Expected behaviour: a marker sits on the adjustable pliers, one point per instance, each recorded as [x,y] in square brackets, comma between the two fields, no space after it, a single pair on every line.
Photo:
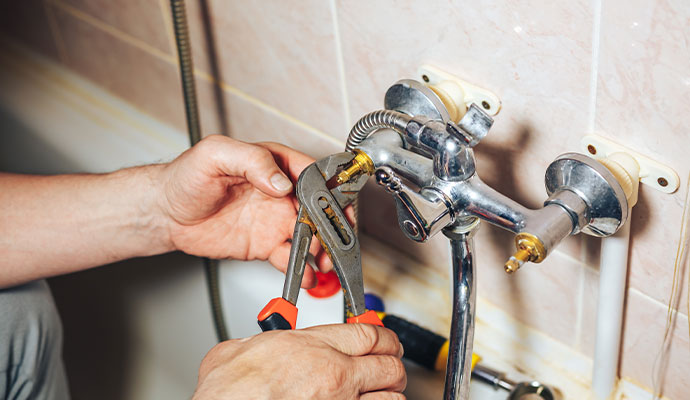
[321,214]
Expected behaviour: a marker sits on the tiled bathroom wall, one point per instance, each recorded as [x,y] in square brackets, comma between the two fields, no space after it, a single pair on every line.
[302,72]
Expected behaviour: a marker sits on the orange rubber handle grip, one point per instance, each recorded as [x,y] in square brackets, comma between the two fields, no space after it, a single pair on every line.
[269,317]
[369,317]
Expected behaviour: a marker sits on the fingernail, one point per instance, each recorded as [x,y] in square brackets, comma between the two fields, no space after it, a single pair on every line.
[280,182]
[401,352]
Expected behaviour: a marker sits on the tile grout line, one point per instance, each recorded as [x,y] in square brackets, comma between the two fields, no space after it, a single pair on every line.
[594,74]
[266,107]
[198,73]
[55,31]
[341,64]
[659,303]
[140,44]
[592,268]
[57,75]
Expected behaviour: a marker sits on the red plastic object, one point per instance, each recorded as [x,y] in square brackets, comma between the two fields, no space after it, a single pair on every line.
[327,285]
[280,306]
[369,317]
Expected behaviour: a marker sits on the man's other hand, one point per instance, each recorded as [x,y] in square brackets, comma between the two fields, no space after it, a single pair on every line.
[353,361]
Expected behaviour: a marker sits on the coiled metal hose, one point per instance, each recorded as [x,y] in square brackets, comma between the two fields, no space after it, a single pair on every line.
[184,52]
[367,125]
[374,121]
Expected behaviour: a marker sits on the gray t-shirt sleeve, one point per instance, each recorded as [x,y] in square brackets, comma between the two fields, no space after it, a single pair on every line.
[31,364]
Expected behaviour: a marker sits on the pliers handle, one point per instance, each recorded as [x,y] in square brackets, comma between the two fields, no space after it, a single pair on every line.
[321,213]
[281,312]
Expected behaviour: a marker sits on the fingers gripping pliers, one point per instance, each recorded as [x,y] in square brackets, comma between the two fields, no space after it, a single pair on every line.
[321,214]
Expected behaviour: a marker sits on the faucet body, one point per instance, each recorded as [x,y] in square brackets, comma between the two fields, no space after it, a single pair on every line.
[427,163]
[452,191]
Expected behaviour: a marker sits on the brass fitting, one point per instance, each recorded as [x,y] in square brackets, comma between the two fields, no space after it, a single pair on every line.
[529,248]
[360,164]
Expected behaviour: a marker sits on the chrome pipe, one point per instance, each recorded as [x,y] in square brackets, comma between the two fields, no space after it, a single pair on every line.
[385,148]
[459,367]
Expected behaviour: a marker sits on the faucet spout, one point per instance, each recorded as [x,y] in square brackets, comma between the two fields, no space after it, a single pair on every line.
[459,367]
[473,197]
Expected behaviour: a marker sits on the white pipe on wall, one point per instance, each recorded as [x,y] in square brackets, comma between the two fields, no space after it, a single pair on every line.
[612,279]
[613,270]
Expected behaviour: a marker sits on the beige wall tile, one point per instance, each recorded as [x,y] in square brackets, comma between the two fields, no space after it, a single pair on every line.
[27,22]
[141,19]
[545,296]
[642,102]
[148,82]
[254,124]
[153,85]
[281,52]
[644,329]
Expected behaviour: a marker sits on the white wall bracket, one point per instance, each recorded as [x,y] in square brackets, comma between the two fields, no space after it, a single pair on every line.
[652,173]
[467,93]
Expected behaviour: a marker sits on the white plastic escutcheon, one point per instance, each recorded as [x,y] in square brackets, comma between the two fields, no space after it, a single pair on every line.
[652,173]
[489,102]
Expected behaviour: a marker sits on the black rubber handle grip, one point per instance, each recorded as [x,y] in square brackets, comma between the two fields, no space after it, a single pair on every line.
[275,322]
[422,346]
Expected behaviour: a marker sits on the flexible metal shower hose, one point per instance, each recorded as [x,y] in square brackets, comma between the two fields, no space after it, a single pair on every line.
[191,106]
[374,121]
[367,125]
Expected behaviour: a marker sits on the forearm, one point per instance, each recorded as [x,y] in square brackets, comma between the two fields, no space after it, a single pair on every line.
[52,225]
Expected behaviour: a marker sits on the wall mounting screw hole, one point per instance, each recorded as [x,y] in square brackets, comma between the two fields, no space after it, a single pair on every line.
[592,150]
[486,105]
[662,182]
[425,78]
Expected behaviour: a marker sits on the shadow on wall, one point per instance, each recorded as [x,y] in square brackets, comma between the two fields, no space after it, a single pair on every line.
[221,108]
[96,307]
[23,151]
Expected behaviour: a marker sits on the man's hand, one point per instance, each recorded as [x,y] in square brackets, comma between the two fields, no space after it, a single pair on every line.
[229,199]
[220,199]
[353,361]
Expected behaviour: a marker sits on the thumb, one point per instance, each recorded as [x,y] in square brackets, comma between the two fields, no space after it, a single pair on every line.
[254,163]
[358,339]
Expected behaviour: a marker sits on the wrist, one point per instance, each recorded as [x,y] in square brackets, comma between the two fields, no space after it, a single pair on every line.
[151,221]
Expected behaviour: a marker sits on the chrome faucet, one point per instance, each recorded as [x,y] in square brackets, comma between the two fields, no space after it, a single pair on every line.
[413,140]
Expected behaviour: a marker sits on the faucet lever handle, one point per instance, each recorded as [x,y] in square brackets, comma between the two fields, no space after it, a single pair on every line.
[473,127]
[420,215]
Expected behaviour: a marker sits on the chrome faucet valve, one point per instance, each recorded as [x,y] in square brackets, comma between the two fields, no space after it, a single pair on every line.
[473,127]
[428,165]
[449,144]
[603,207]
[420,215]
[583,197]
